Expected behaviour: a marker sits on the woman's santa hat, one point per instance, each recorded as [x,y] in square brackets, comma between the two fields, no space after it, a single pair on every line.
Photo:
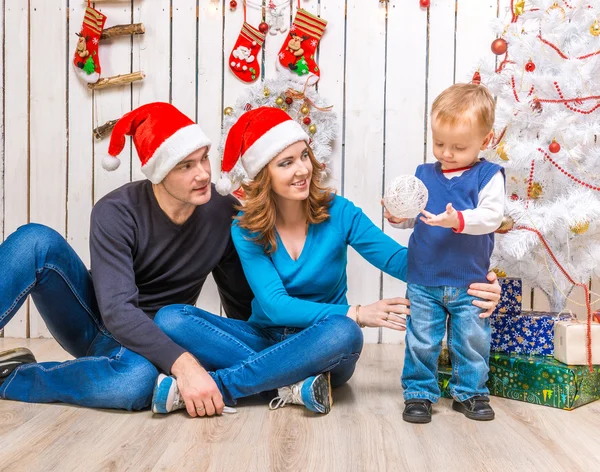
[163,137]
[256,137]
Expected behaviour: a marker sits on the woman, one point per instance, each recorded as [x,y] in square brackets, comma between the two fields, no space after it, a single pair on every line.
[292,238]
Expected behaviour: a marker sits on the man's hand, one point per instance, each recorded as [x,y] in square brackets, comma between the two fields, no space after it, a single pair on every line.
[198,389]
[448,219]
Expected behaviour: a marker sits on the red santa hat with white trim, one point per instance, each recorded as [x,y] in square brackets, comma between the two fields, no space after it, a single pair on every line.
[162,135]
[254,140]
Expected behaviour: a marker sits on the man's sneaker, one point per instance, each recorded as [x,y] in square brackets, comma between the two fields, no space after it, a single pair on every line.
[314,393]
[166,397]
[417,411]
[475,408]
[13,358]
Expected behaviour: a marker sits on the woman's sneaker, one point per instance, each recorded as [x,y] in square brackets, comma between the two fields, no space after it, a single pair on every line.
[166,397]
[13,358]
[314,393]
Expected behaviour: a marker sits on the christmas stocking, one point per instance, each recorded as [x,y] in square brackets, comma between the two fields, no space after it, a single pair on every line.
[86,59]
[243,60]
[297,55]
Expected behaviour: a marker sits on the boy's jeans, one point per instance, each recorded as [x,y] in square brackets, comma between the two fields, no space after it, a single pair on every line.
[469,337]
[37,260]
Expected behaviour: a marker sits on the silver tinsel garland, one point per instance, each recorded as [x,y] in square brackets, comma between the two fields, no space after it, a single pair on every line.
[265,94]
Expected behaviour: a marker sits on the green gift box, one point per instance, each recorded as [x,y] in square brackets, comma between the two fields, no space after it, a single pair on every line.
[537,379]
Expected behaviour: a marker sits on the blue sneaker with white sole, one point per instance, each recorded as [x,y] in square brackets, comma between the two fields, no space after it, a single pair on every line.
[314,393]
[166,397]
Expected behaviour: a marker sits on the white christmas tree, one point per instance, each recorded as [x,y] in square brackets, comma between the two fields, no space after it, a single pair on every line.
[547,128]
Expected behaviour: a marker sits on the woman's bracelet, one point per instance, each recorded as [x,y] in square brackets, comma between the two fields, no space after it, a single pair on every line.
[357,318]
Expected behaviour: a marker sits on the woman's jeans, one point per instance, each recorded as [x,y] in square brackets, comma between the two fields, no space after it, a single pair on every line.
[244,359]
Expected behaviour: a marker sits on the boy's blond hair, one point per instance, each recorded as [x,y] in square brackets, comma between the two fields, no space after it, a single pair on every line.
[461,103]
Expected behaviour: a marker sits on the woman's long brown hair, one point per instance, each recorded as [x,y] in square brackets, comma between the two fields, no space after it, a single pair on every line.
[260,208]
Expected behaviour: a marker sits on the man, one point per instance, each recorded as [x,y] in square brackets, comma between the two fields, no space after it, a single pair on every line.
[152,244]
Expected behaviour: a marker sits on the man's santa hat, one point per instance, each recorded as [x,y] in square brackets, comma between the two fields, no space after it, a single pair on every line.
[163,137]
[254,140]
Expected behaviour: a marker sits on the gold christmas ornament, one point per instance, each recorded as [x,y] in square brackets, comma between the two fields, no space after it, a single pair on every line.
[499,272]
[580,228]
[279,101]
[283,107]
[507,224]
[536,191]
[228,111]
[266,92]
[312,129]
[595,28]
[501,152]
[519,7]
[304,110]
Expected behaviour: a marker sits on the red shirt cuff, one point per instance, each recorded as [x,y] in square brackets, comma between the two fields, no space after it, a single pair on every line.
[461,223]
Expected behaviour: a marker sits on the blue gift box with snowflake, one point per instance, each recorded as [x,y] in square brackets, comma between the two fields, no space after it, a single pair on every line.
[528,333]
[511,296]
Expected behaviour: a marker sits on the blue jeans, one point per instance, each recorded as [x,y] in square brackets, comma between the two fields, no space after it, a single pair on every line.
[244,359]
[37,260]
[469,337]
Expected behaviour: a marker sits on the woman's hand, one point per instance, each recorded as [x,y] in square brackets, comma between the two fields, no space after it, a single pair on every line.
[489,293]
[388,313]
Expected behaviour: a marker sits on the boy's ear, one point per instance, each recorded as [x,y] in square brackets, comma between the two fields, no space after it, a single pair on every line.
[487,140]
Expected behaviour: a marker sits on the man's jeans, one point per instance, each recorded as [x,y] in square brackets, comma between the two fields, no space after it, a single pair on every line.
[469,337]
[244,359]
[37,260]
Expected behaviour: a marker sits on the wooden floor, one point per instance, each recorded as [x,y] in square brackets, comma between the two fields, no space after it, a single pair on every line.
[363,432]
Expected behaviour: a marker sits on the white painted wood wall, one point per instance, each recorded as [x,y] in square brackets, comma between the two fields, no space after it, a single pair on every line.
[381,68]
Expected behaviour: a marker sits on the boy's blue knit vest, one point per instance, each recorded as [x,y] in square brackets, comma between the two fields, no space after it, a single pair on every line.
[438,256]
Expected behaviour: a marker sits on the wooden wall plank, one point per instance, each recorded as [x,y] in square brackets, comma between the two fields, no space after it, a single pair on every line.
[16,131]
[364,139]
[405,114]
[80,146]
[47,118]
[112,103]
[209,107]
[151,54]
[331,59]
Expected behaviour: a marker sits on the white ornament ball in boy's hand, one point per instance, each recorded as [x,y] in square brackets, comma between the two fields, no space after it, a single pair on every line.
[406,197]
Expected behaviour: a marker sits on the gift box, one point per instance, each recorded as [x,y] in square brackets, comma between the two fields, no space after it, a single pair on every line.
[540,380]
[511,296]
[530,332]
[570,342]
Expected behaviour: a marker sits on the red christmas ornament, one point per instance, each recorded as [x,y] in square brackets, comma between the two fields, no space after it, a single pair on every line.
[554,147]
[514,196]
[425,3]
[289,100]
[499,46]
[263,27]
[233,4]
[476,78]
[536,106]
[530,66]
[306,120]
